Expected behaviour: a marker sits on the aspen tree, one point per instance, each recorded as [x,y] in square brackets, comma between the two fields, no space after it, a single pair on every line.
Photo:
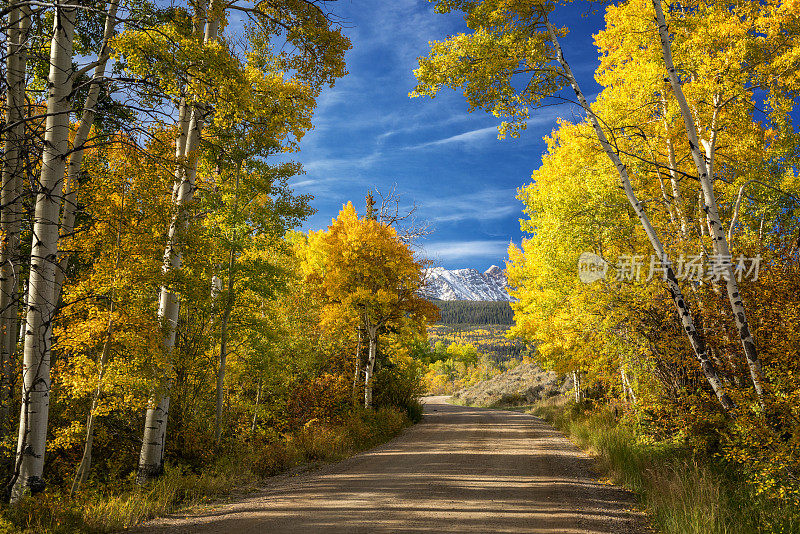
[684,312]
[366,270]
[233,94]
[358,364]
[41,285]
[508,39]
[151,457]
[226,317]
[704,164]
[11,195]
[372,353]
[67,225]
[81,138]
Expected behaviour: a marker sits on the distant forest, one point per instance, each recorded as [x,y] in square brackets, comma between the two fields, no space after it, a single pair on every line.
[474,312]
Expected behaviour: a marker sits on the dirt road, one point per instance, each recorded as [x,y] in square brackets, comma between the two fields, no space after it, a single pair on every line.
[461,470]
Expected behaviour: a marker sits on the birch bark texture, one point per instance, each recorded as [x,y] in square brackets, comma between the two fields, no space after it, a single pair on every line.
[68,226]
[44,255]
[151,456]
[81,137]
[223,347]
[11,197]
[372,334]
[358,359]
[703,162]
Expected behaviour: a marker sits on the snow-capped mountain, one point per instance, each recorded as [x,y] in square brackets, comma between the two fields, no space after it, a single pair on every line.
[467,284]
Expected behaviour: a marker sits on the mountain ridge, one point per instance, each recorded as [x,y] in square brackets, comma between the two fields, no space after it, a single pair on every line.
[466,284]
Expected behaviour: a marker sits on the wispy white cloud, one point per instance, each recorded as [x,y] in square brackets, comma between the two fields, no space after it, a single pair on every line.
[458,250]
[488,204]
[327,186]
[404,27]
[428,118]
[543,117]
[304,184]
[466,137]
[327,165]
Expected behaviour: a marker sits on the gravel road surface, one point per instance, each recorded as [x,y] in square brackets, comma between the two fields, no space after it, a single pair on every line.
[462,470]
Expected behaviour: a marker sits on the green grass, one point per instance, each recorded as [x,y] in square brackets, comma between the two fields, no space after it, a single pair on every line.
[683,493]
[54,512]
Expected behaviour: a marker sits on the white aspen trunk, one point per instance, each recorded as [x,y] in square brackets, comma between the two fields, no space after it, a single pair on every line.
[703,227]
[625,394]
[710,205]
[200,18]
[372,332]
[229,298]
[626,384]
[223,349]
[81,136]
[684,313]
[180,146]
[68,226]
[676,191]
[680,208]
[575,386]
[357,373]
[667,200]
[151,456]
[709,161]
[212,26]
[11,198]
[737,206]
[255,410]
[36,363]
[69,211]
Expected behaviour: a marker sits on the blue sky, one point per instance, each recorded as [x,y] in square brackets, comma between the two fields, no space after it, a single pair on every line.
[369,134]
